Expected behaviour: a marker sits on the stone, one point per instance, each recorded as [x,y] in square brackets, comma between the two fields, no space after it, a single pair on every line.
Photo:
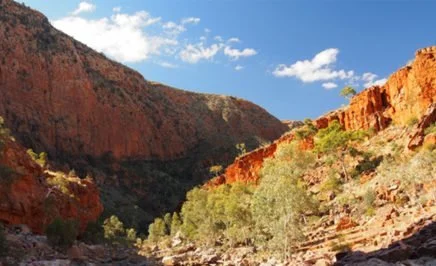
[172,260]
[75,253]
[322,262]
[345,223]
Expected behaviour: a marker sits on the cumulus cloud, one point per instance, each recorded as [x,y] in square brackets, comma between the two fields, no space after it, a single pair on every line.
[218,38]
[167,64]
[235,54]
[190,20]
[234,39]
[136,37]
[121,36]
[84,7]
[239,67]
[193,53]
[173,28]
[329,85]
[319,68]
[370,80]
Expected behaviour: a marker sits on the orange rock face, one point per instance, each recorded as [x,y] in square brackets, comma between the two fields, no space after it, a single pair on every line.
[61,97]
[26,198]
[409,93]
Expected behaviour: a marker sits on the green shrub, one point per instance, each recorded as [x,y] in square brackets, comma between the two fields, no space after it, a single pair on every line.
[431,129]
[242,149]
[331,184]
[176,223]
[40,159]
[4,132]
[114,230]
[156,230]
[412,121]
[307,130]
[93,233]
[62,233]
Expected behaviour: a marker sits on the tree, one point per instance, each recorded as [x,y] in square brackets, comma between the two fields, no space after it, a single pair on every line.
[93,233]
[176,223]
[156,230]
[168,222]
[113,229]
[242,149]
[348,92]
[333,139]
[280,202]
[62,233]
[131,235]
[4,132]
[215,169]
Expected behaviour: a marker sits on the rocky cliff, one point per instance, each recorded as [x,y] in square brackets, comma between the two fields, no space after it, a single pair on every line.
[409,94]
[28,197]
[136,137]
[62,97]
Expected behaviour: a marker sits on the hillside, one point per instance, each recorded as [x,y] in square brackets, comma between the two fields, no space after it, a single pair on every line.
[99,166]
[99,117]
[353,187]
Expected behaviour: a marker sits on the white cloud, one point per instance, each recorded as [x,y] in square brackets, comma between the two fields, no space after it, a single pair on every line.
[173,28]
[84,7]
[236,40]
[239,67]
[191,20]
[329,85]
[319,68]
[193,53]
[136,37]
[121,36]
[235,54]
[218,38]
[370,80]
[167,64]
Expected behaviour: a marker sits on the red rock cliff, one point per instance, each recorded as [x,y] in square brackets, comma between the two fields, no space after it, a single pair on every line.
[26,198]
[59,96]
[409,93]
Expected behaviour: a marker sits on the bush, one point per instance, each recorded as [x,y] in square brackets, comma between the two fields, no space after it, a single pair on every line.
[431,129]
[93,233]
[62,233]
[156,230]
[412,121]
[114,230]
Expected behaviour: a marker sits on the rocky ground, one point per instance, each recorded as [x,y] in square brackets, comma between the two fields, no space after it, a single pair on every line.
[25,248]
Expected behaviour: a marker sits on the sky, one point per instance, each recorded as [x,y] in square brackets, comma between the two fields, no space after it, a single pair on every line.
[291,57]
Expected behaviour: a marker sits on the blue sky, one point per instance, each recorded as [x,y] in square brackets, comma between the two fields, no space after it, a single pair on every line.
[286,56]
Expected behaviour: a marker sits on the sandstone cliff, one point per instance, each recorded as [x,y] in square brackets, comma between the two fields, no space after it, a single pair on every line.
[27,197]
[409,94]
[145,143]
[62,97]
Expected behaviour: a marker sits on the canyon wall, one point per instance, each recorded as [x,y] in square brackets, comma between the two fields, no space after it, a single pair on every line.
[409,94]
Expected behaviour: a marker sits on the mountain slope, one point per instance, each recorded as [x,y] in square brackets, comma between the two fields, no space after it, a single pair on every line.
[408,95]
[95,115]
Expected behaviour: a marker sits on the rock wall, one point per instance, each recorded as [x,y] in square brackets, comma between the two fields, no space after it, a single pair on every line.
[26,198]
[59,96]
[409,93]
